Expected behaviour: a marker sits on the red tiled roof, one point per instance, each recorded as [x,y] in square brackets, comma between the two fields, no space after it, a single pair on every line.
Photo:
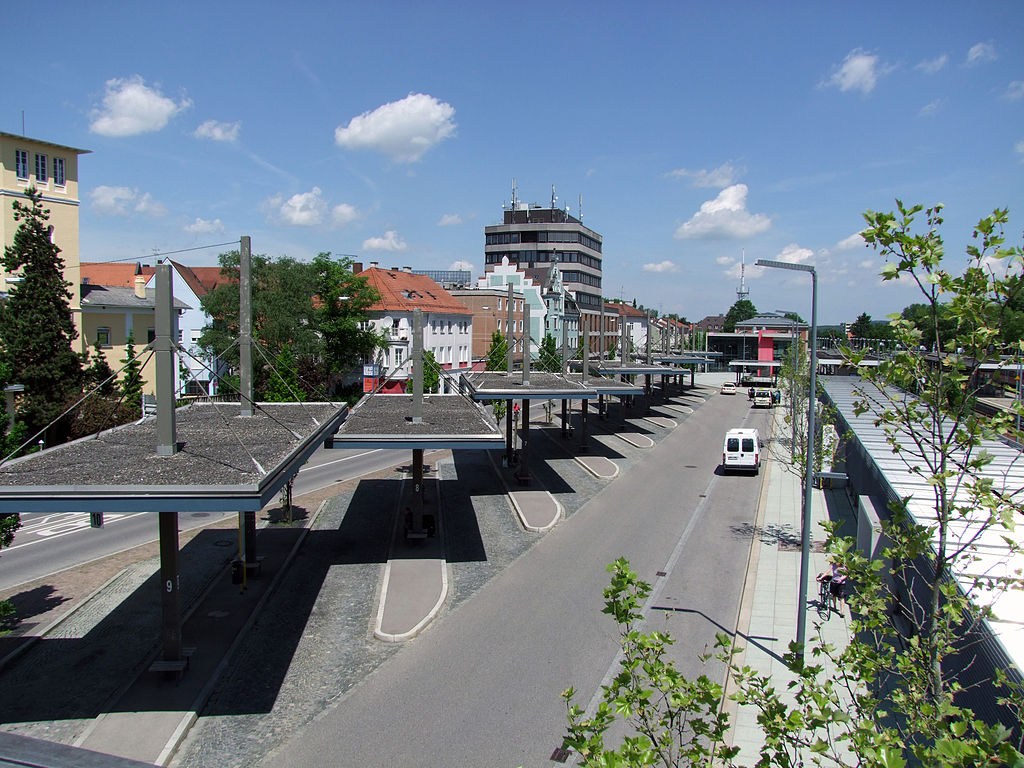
[112,273]
[625,310]
[202,280]
[403,292]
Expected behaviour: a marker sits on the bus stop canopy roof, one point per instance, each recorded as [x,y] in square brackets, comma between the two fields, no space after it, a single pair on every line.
[225,462]
[500,385]
[447,422]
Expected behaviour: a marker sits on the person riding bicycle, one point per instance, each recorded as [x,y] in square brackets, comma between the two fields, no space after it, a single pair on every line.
[835,578]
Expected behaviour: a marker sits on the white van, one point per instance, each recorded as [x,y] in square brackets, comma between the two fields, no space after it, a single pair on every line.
[741,450]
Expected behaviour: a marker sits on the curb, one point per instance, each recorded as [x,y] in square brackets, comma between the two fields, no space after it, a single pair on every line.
[729,706]
[388,637]
[186,723]
[579,460]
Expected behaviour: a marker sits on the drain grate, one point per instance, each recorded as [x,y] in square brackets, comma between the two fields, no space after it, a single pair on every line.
[662,573]
[560,755]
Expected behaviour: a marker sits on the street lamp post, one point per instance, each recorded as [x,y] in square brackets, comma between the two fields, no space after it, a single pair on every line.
[812,397]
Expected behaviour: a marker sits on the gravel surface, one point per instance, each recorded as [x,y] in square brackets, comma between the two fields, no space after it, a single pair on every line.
[217,448]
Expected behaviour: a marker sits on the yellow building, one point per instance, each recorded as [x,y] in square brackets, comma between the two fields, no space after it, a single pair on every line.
[53,170]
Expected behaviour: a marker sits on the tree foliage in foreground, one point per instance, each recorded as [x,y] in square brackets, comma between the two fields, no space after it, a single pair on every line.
[898,693]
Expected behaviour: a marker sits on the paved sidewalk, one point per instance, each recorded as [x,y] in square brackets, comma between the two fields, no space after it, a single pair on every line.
[768,611]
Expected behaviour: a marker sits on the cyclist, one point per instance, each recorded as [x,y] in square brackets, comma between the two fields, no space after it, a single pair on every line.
[833,585]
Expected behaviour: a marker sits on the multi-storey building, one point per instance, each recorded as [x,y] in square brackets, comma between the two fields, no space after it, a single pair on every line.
[447,323]
[52,169]
[532,236]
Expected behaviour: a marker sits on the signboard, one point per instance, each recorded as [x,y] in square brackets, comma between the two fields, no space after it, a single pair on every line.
[369,384]
[371,371]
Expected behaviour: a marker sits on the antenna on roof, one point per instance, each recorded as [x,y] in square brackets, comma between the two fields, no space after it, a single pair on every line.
[580,209]
[743,292]
[514,201]
[554,197]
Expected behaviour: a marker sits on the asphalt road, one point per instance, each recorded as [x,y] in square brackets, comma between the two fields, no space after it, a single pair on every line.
[482,686]
[48,543]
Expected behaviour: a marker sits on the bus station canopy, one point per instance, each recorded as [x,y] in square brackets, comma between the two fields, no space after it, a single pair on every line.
[225,462]
[447,422]
[500,385]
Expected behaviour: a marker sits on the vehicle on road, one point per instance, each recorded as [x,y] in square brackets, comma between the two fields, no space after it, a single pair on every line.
[741,450]
[728,388]
[763,398]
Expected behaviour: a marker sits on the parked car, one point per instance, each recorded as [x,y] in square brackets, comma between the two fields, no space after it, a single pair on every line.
[763,398]
[728,388]
[741,450]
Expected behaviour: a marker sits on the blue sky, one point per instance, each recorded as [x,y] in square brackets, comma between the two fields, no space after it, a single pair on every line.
[694,132]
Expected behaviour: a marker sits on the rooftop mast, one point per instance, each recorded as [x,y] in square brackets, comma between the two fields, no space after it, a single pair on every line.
[743,291]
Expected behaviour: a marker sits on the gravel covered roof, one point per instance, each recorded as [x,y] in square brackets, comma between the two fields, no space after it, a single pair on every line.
[443,415]
[500,385]
[215,446]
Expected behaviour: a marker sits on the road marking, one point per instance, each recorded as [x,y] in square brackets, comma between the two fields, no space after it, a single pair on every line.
[338,461]
[47,531]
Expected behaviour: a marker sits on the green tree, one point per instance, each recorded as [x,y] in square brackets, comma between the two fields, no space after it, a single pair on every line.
[36,327]
[339,314]
[497,353]
[743,309]
[318,309]
[283,383]
[431,373]
[550,358]
[891,696]
[99,373]
[861,328]
[131,382]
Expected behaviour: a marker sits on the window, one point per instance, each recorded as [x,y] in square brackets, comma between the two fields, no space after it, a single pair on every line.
[41,169]
[21,163]
[58,171]
[150,335]
[103,337]
[398,356]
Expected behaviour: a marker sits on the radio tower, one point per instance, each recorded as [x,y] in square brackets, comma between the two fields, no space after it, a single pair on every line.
[743,292]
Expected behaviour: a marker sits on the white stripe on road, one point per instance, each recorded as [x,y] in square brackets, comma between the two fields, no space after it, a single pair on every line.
[338,461]
[46,530]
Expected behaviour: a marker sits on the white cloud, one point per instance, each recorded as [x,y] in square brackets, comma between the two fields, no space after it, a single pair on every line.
[343,214]
[930,109]
[849,243]
[212,129]
[661,267]
[931,66]
[203,227]
[124,201]
[859,71]
[1014,90]
[723,260]
[461,265]
[304,209]
[981,53]
[450,220]
[390,242]
[722,176]
[404,129]
[130,107]
[724,217]
[794,254]
[1019,149]
[867,264]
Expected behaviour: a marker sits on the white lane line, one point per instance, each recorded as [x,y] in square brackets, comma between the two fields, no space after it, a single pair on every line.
[338,461]
[55,531]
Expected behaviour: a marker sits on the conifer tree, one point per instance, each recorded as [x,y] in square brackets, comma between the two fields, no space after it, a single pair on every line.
[36,326]
[131,385]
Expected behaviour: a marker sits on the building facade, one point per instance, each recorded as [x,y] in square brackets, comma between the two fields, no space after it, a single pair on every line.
[52,169]
[447,324]
[531,236]
[490,313]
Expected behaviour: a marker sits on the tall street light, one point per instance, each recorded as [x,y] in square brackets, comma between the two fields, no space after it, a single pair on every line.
[812,397]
